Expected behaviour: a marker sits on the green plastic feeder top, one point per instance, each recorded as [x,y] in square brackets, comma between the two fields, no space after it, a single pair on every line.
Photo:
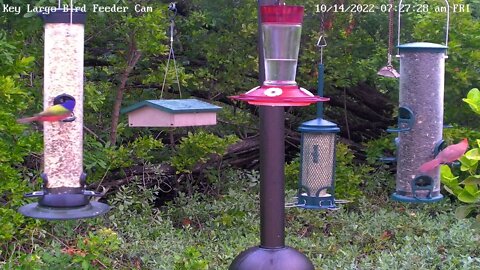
[175,106]
[423,46]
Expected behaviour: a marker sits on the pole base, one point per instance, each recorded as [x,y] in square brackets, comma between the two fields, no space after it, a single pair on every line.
[402,198]
[259,258]
[92,209]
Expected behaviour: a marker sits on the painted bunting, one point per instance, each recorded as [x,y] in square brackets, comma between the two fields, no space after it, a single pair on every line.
[53,113]
[447,155]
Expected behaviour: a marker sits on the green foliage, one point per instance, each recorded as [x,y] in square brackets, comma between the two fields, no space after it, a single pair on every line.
[190,260]
[473,100]
[100,158]
[197,148]
[381,147]
[466,186]
[292,173]
[348,176]
[16,142]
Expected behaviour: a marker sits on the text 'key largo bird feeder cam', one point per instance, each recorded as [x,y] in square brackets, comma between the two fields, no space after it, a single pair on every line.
[420,117]
[64,195]
[280,31]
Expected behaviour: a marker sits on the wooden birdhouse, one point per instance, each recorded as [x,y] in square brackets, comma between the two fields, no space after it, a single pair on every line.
[171,113]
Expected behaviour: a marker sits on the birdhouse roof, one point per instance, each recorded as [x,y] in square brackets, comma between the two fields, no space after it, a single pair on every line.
[175,106]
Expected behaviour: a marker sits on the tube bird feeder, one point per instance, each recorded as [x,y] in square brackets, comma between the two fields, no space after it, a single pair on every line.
[420,118]
[64,195]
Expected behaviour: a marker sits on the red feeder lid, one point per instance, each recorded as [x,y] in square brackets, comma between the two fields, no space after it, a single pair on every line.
[282,14]
[279,95]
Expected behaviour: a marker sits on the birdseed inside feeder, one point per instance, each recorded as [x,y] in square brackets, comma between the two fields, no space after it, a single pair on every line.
[422,66]
[63,195]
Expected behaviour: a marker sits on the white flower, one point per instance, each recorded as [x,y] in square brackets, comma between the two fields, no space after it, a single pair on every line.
[273,92]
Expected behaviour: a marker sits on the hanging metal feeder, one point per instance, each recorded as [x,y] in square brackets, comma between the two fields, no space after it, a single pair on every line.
[318,144]
[280,23]
[64,194]
[420,120]
[316,187]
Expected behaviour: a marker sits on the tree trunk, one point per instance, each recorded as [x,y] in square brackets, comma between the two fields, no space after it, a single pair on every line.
[133,57]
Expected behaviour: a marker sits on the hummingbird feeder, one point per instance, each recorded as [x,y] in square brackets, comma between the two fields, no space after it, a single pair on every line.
[64,194]
[279,28]
[280,24]
[420,117]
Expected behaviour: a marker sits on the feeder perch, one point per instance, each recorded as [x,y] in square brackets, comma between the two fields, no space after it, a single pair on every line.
[391,159]
[406,120]
[63,195]
[316,187]
[171,113]
[280,24]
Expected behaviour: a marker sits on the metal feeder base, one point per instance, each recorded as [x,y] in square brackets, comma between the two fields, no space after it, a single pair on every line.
[92,209]
[259,258]
[317,203]
[402,198]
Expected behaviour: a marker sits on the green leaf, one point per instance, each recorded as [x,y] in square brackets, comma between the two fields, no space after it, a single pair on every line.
[473,154]
[464,211]
[472,180]
[467,197]
[446,174]
[472,189]
[473,100]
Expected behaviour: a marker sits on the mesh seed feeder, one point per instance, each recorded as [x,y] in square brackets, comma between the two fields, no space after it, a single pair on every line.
[64,195]
[420,118]
[280,23]
[317,169]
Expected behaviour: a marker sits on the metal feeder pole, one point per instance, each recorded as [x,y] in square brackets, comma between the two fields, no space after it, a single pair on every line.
[272,254]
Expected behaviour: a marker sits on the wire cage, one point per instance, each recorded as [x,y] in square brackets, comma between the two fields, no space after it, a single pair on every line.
[317,173]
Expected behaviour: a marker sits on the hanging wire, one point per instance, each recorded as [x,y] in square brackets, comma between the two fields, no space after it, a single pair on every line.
[388,70]
[71,16]
[322,42]
[172,7]
[390,33]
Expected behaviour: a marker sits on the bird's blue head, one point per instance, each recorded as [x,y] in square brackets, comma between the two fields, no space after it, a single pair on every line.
[69,104]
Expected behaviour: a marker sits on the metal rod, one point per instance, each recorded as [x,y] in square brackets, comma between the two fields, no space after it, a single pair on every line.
[272,161]
[447,26]
[320,84]
[272,178]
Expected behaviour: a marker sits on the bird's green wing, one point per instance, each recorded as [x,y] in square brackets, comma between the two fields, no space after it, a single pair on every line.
[54,110]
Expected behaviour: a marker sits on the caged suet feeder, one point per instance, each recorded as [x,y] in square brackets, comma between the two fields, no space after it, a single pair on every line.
[420,118]
[317,158]
[64,194]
